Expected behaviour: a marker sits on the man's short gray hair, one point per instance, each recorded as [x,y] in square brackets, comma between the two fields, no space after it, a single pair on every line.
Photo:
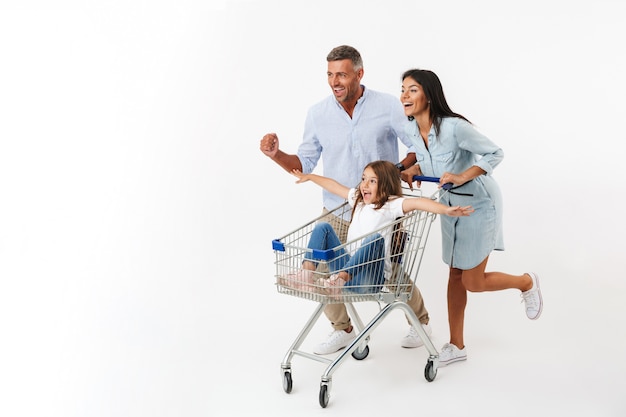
[346,52]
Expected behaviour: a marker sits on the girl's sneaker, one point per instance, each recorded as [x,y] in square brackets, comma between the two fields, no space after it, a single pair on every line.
[450,354]
[301,280]
[334,285]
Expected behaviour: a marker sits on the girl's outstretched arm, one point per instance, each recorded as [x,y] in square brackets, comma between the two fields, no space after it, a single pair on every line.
[426,204]
[326,183]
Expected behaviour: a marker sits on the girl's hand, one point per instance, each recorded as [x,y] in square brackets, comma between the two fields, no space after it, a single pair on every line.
[459,211]
[301,177]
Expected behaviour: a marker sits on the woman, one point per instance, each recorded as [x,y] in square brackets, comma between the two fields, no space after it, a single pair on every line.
[449,147]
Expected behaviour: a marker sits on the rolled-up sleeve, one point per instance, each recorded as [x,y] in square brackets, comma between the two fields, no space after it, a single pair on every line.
[310,150]
[489,154]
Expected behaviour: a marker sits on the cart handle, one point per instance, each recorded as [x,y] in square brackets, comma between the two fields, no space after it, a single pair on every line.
[446,186]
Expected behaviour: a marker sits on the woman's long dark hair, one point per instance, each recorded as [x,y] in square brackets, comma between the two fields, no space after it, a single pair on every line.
[433,90]
[389,183]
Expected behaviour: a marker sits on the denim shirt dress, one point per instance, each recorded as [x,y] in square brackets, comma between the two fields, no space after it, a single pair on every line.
[466,241]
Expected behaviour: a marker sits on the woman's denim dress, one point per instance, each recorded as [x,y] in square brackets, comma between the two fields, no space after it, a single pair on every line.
[466,241]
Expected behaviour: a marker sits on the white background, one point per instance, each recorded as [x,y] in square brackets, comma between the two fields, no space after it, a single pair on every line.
[136,211]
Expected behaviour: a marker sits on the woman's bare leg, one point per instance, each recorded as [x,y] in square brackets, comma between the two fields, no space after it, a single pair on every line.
[477,280]
[457,300]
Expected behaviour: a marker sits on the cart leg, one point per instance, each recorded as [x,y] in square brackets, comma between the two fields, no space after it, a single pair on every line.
[430,371]
[285,367]
[362,349]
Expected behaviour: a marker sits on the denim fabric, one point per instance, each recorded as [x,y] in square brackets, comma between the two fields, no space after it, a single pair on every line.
[366,266]
[466,241]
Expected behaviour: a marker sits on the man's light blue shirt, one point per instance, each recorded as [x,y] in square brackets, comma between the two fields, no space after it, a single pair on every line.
[346,144]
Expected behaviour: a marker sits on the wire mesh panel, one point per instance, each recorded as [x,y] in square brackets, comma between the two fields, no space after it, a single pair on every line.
[380,269]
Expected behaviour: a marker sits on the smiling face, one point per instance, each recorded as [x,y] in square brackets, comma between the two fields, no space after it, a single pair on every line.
[379,182]
[369,186]
[344,80]
[413,98]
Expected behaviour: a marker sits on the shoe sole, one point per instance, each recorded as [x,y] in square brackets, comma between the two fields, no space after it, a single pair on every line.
[412,346]
[444,364]
[532,274]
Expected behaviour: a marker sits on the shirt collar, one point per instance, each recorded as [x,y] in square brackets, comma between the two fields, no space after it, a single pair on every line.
[361,99]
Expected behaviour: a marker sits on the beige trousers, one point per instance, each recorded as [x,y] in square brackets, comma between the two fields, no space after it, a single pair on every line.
[338,314]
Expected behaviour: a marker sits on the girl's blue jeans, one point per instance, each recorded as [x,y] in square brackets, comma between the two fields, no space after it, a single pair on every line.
[366,266]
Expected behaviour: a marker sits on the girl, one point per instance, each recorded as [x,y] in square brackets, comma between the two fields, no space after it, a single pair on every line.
[376,202]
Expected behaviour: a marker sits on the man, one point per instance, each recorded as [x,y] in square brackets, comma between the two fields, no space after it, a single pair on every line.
[349,129]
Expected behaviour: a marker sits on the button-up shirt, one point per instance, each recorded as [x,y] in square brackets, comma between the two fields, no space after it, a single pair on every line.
[346,145]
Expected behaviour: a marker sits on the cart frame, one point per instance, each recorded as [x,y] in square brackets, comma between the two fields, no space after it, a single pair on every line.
[412,229]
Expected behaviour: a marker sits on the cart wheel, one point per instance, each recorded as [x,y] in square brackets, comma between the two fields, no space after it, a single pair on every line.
[287,382]
[430,372]
[324,396]
[359,356]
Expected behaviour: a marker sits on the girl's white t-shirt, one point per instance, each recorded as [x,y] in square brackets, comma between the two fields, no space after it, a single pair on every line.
[367,218]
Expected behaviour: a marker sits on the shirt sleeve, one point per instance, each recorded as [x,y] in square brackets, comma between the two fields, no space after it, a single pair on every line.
[310,150]
[470,139]
[395,207]
[352,197]
[399,122]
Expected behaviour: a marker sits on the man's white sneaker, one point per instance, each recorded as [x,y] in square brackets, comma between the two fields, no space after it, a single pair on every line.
[450,354]
[532,298]
[337,340]
[412,339]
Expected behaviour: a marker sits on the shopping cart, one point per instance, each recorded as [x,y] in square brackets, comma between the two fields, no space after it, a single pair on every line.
[404,240]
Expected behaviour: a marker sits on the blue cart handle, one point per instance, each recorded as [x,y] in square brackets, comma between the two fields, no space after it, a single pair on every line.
[446,186]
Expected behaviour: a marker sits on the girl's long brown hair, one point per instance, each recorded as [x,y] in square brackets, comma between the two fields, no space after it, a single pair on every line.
[389,183]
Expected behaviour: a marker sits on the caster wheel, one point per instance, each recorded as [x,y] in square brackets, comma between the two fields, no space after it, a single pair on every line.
[324,396]
[359,356]
[287,382]
[430,372]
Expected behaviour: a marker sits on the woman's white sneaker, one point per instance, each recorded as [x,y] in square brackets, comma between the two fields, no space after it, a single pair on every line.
[532,298]
[450,354]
